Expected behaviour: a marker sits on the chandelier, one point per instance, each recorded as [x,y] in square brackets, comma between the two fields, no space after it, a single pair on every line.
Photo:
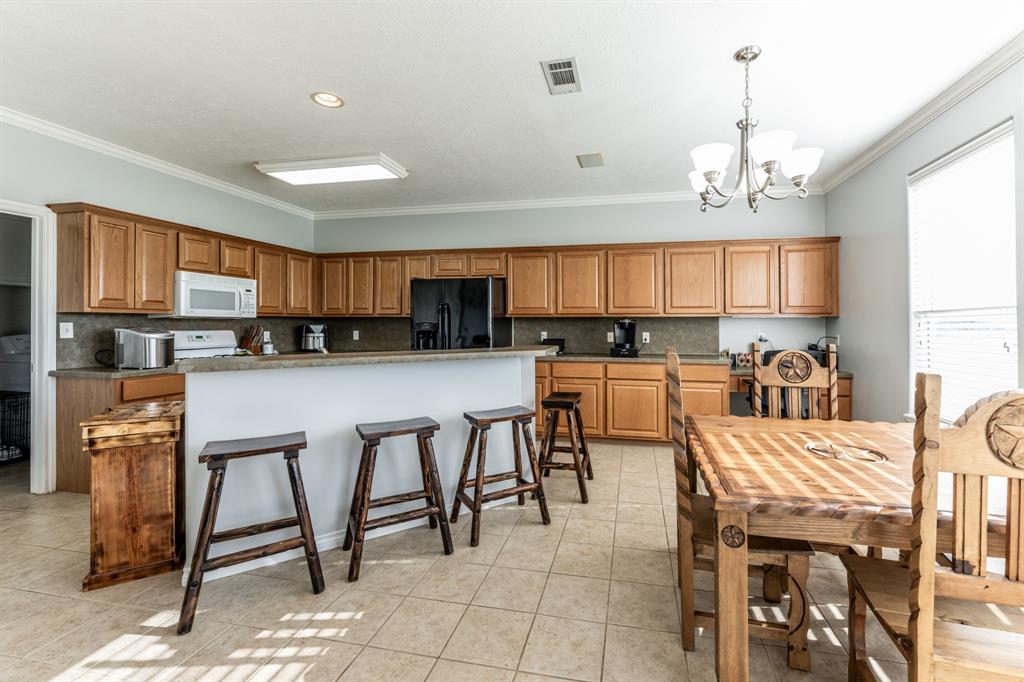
[762,158]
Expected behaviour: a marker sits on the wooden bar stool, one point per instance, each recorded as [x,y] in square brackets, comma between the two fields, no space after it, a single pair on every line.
[480,425]
[362,503]
[216,454]
[555,404]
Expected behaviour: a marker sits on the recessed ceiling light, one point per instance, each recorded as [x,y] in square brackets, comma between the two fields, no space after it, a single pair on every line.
[327,99]
[590,160]
[338,169]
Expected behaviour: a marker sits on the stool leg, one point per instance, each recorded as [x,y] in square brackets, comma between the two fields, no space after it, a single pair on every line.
[316,574]
[478,492]
[519,462]
[583,442]
[426,480]
[353,508]
[464,474]
[442,520]
[549,440]
[364,508]
[535,468]
[206,524]
[576,458]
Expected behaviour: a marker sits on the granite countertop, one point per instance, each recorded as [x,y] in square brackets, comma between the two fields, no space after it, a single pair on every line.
[259,362]
[594,357]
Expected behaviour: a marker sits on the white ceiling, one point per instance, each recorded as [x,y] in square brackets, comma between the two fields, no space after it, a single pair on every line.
[453,90]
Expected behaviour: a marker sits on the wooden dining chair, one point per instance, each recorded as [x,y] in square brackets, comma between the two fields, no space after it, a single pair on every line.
[790,373]
[959,622]
[695,528]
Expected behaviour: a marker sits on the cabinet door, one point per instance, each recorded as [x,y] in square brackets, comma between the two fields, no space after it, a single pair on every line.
[591,403]
[155,258]
[751,279]
[636,281]
[360,285]
[450,265]
[197,252]
[300,284]
[807,276]
[483,264]
[111,263]
[542,388]
[531,283]
[387,287]
[705,398]
[636,409]
[694,280]
[271,276]
[236,259]
[580,282]
[335,283]
[416,267]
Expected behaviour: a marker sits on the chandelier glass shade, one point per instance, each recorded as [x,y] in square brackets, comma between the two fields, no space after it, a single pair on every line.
[763,158]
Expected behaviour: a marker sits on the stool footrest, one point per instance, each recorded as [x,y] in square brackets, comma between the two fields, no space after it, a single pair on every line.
[494,478]
[252,553]
[560,448]
[397,499]
[254,529]
[558,465]
[399,518]
[509,492]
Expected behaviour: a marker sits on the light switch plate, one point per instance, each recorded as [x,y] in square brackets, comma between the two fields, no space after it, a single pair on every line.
[355,334]
[645,337]
[67,330]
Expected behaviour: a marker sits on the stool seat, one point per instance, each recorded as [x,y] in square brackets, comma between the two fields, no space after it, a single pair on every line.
[483,418]
[561,399]
[401,427]
[247,447]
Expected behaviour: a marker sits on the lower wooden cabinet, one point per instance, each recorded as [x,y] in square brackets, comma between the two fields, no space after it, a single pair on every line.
[591,403]
[636,408]
[705,389]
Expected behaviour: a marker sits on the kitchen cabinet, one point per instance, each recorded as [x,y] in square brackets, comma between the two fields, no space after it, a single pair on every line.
[415,267]
[591,403]
[580,282]
[531,283]
[359,288]
[844,387]
[450,265]
[334,282]
[807,279]
[271,281]
[484,264]
[198,252]
[542,387]
[694,280]
[751,279]
[155,256]
[111,263]
[387,288]
[300,284]
[236,259]
[636,408]
[635,281]
[705,389]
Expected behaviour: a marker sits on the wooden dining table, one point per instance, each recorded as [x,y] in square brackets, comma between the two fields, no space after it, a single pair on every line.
[828,482]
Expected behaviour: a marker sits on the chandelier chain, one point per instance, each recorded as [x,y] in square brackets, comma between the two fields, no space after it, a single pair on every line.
[746,90]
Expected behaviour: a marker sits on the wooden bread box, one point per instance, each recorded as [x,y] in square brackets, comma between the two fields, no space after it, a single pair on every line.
[137,492]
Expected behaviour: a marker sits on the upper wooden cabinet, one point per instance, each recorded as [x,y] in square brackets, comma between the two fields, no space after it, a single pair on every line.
[359,289]
[387,287]
[808,275]
[111,262]
[694,281]
[300,284]
[580,282]
[271,282]
[635,281]
[236,259]
[155,260]
[751,279]
[531,283]
[450,265]
[484,264]
[335,282]
[198,252]
[415,267]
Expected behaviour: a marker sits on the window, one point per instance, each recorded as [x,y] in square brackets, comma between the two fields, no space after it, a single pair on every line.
[963,271]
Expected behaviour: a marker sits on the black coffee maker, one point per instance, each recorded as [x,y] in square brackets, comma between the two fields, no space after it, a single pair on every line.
[624,333]
[424,336]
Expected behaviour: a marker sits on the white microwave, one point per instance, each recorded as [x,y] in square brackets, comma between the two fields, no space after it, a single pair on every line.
[200,295]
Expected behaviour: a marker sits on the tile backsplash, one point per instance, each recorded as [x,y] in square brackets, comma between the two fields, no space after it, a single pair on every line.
[690,335]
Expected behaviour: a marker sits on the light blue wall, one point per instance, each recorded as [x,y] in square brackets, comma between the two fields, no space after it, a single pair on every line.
[36,169]
[869,213]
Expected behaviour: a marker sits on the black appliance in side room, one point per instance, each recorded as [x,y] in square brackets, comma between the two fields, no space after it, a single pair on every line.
[624,334]
[459,313]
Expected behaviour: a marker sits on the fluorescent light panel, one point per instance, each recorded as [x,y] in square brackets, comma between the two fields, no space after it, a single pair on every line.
[339,169]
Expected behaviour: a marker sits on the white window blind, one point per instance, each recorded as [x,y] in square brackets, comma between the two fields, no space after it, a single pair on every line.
[964,262]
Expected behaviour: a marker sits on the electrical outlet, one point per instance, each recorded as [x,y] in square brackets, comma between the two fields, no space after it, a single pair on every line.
[611,337]
[67,330]
[645,337]
[543,336]
[355,334]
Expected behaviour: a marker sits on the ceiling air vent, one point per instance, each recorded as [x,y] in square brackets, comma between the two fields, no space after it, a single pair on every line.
[562,75]
[590,160]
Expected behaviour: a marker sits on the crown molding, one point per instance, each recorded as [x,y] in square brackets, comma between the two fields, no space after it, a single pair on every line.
[1004,58]
[58,132]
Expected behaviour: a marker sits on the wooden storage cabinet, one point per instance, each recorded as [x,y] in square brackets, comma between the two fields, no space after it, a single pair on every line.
[414,267]
[844,387]
[155,252]
[591,403]
[387,292]
[334,277]
[236,259]
[580,278]
[636,408]
[484,264]
[635,281]
[198,252]
[300,284]
[111,263]
[751,279]
[450,265]
[531,283]
[359,289]
[705,389]
[694,281]
[271,282]
[807,279]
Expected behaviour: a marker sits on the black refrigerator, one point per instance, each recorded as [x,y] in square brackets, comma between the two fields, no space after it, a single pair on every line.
[459,313]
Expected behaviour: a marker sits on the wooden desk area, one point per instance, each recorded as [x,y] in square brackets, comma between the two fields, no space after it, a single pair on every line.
[740,380]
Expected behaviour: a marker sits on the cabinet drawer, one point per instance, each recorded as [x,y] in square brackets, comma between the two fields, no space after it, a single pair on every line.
[483,264]
[704,373]
[543,369]
[578,370]
[626,370]
[450,265]
[149,388]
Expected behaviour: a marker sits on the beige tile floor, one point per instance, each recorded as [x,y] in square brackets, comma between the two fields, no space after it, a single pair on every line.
[590,597]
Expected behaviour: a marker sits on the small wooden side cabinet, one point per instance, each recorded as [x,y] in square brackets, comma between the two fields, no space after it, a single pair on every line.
[137,492]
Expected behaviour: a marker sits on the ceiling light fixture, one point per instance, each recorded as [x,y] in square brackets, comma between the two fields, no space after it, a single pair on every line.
[327,99]
[340,169]
[768,153]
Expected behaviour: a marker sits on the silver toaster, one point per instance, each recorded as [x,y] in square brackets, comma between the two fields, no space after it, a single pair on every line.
[143,348]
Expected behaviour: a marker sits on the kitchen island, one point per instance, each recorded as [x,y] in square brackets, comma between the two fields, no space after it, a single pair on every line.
[326,396]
